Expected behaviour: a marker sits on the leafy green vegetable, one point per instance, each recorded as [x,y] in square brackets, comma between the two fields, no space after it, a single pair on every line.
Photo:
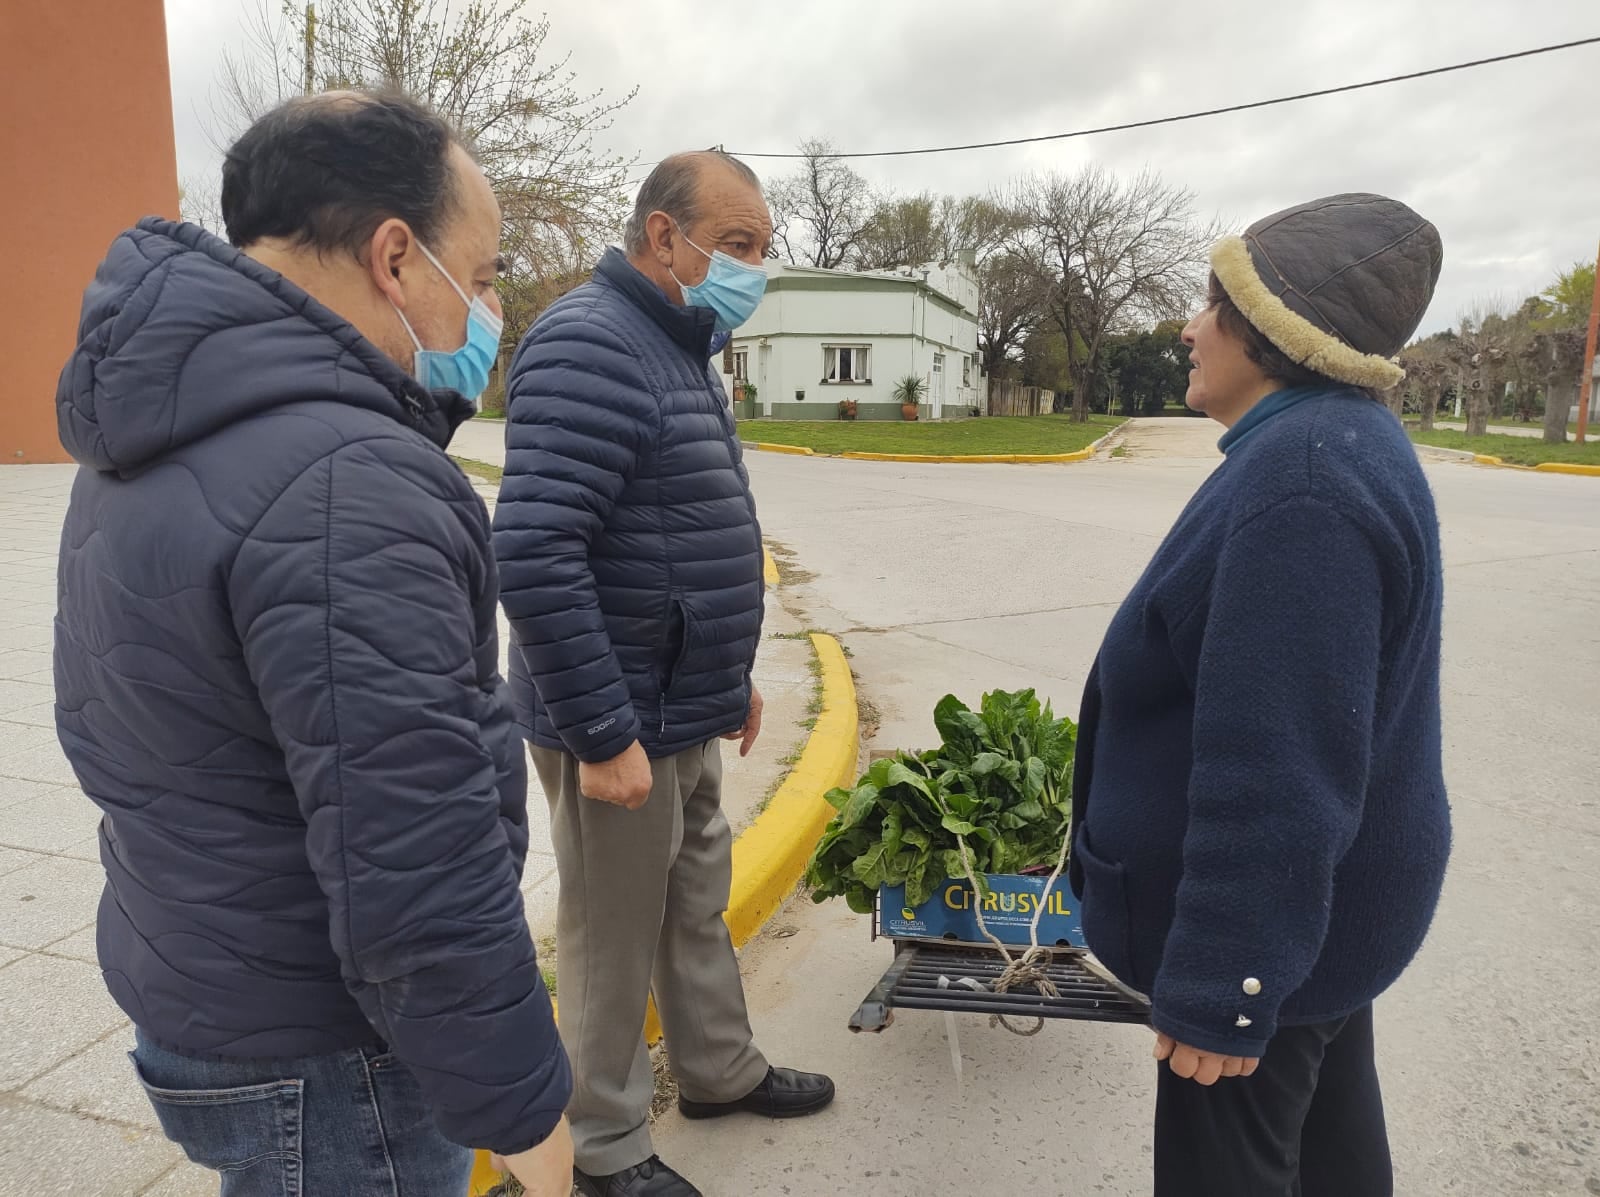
[1002,779]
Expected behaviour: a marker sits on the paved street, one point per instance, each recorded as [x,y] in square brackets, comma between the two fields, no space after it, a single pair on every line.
[962,578]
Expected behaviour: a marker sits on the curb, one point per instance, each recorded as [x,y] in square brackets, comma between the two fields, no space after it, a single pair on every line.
[769,569]
[1484,459]
[1435,453]
[1544,467]
[771,854]
[960,459]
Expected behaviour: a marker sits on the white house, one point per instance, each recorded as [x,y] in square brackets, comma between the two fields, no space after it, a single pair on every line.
[821,336]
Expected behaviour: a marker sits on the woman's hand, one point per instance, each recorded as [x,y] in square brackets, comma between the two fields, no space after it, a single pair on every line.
[1204,1068]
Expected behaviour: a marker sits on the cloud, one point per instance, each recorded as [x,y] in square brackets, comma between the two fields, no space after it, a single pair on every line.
[1500,158]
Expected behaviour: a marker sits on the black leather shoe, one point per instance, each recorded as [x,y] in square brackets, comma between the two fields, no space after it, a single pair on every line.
[649,1179]
[784,1093]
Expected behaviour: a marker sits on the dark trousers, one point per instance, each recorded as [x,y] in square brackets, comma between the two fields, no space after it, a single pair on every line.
[1308,1123]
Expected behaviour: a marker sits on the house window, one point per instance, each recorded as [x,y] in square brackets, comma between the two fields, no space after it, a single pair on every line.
[741,365]
[846,363]
[966,371]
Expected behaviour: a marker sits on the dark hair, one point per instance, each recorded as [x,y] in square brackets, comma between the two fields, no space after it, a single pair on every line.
[1273,362]
[325,171]
[673,187]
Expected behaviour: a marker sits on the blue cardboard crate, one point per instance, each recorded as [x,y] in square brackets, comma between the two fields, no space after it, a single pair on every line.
[1008,912]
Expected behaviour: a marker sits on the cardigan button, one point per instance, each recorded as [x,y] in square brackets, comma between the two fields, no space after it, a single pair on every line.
[1252,986]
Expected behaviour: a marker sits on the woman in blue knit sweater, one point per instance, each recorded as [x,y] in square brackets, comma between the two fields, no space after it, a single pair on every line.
[1261,827]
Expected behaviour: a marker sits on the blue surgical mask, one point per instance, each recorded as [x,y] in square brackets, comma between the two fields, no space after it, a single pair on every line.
[732,289]
[466,369]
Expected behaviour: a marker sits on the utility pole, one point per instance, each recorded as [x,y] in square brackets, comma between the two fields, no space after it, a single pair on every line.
[311,48]
[1586,379]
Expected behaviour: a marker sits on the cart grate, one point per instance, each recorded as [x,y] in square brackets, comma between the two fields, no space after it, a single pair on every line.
[931,977]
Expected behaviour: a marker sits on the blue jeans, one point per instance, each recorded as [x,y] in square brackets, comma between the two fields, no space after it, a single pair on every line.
[349,1124]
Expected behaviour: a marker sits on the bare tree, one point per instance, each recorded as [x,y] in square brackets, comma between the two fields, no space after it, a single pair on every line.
[1428,373]
[1013,303]
[1114,256]
[1561,351]
[1479,351]
[482,66]
[916,229]
[199,203]
[820,211]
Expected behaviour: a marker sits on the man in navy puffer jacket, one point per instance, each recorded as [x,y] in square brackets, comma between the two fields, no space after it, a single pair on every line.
[276,672]
[630,560]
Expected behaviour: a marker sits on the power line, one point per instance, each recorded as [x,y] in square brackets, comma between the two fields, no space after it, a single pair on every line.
[1192,116]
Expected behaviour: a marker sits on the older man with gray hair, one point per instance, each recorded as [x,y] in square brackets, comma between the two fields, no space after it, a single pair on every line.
[630,559]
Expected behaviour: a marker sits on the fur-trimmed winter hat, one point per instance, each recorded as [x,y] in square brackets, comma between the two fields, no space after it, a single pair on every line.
[1338,285]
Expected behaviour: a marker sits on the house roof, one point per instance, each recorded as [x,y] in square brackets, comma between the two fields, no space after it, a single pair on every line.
[919,276]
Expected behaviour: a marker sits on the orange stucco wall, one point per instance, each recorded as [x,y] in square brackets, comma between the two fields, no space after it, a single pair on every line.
[86,149]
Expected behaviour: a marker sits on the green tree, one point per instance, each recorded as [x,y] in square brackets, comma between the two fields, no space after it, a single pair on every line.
[1570,297]
[1149,369]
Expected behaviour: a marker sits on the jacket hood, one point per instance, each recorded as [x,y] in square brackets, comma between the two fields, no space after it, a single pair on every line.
[182,335]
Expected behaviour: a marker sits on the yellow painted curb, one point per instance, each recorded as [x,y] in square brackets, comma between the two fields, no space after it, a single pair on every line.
[1562,467]
[769,568]
[771,854]
[797,450]
[1485,459]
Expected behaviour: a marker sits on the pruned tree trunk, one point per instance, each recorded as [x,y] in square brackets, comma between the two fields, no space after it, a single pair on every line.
[1478,406]
[1395,401]
[1431,394]
[1556,409]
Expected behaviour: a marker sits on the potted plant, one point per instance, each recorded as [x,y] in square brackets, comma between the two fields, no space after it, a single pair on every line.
[750,394]
[847,409]
[908,392]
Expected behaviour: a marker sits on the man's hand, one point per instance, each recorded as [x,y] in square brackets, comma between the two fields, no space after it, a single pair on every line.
[545,1170]
[1203,1068]
[752,724]
[624,780]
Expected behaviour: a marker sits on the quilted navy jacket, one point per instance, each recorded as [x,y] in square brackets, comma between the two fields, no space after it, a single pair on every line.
[630,555]
[276,673]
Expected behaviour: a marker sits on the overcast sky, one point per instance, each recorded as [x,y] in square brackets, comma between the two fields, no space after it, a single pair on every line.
[1505,159]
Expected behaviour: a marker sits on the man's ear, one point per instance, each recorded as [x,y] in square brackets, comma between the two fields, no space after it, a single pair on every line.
[659,232]
[389,253]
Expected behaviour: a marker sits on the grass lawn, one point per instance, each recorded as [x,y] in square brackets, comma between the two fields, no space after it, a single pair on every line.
[989,434]
[1513,450]
[480,469]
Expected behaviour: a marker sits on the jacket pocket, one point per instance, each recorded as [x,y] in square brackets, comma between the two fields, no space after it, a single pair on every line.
[1107,926]
[236,1129]
[675,646]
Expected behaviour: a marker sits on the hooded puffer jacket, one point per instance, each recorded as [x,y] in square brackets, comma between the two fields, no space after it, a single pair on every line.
[276,673]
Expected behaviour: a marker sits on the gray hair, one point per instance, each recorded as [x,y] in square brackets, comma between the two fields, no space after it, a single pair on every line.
[674,188]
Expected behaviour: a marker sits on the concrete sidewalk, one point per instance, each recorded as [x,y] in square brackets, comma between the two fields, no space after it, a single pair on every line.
[72,1118]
